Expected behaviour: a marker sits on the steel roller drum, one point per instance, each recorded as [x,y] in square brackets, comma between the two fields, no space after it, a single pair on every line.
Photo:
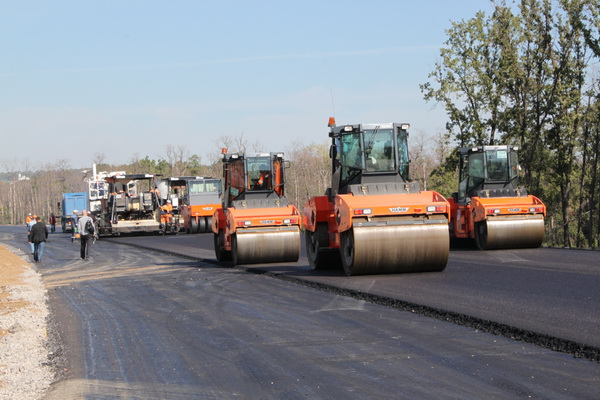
[263,246]
[512,233]
[395,249]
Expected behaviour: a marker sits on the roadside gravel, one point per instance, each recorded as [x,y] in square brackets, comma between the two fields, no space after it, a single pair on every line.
[27,350]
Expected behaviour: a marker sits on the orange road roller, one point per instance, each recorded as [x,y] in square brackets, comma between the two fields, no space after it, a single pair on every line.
[256,223]
[489,207]
[373,219]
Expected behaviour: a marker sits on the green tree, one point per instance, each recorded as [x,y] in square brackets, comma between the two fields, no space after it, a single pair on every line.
[519,76]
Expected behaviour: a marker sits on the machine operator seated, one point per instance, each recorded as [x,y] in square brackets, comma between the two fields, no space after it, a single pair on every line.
[264,179]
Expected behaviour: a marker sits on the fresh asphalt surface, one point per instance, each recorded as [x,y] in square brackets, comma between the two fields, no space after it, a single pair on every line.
[139,323]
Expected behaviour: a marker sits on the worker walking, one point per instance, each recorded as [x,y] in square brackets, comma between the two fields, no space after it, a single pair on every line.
[52,222]
[86,228]
[30,224]
[39,234]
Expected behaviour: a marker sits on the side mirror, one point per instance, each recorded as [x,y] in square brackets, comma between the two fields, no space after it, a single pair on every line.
[332,151]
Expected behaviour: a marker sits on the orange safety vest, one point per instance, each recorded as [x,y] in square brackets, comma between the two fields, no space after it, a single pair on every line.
[262,178]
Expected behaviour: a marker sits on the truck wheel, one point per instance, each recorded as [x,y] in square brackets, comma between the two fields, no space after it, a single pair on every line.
[193,225]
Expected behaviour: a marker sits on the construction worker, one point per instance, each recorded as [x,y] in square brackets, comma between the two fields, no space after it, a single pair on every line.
[39,234]
[166,213]
[52,222]
[263,179]
[85,234]
[28,219]
[30,225]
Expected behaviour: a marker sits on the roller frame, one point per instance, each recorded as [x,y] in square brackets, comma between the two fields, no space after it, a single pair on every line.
[396,242]
[511,229]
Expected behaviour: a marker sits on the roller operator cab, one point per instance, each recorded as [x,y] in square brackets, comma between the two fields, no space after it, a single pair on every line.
[256,224]
[373,219]
[489,206]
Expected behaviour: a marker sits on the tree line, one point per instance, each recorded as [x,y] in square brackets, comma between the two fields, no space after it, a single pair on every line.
[526,75]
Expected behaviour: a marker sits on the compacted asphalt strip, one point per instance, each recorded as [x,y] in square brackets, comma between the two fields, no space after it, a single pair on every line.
[547,297]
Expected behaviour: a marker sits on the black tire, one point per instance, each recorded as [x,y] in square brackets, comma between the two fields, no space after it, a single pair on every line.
[193,225]
[234,256]
[202,225]
[220,253]
[320,257]
[347,251]
[481,235]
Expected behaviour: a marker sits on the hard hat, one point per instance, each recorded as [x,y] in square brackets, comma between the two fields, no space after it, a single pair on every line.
[75,211]
[29,214]
[168,201]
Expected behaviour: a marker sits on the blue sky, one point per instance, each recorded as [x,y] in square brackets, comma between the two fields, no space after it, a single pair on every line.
[121,78]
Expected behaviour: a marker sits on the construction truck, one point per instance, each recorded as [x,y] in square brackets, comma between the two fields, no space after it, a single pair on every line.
[373,219]
[256,224]
[201,198]
[124,203]
[71,207]
[489,207]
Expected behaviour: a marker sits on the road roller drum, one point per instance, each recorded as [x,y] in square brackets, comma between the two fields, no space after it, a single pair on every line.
[395,249]
[509,233]
[274,245]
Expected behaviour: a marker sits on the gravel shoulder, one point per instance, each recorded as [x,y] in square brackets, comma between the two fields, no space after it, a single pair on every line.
[27,350]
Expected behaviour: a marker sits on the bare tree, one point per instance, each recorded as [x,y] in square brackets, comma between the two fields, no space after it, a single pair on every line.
[176,157]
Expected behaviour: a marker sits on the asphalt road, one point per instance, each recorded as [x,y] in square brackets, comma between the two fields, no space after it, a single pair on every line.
[554,293]
[142,324]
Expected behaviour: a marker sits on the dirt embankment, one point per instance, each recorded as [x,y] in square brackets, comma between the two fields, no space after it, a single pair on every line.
[25,356]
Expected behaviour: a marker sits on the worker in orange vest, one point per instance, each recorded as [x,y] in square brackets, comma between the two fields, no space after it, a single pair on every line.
[166,213]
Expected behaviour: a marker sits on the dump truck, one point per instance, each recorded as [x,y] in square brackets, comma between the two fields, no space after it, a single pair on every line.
[489,207]
[373,219]
[71,207]
[124,203]
[256,223]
